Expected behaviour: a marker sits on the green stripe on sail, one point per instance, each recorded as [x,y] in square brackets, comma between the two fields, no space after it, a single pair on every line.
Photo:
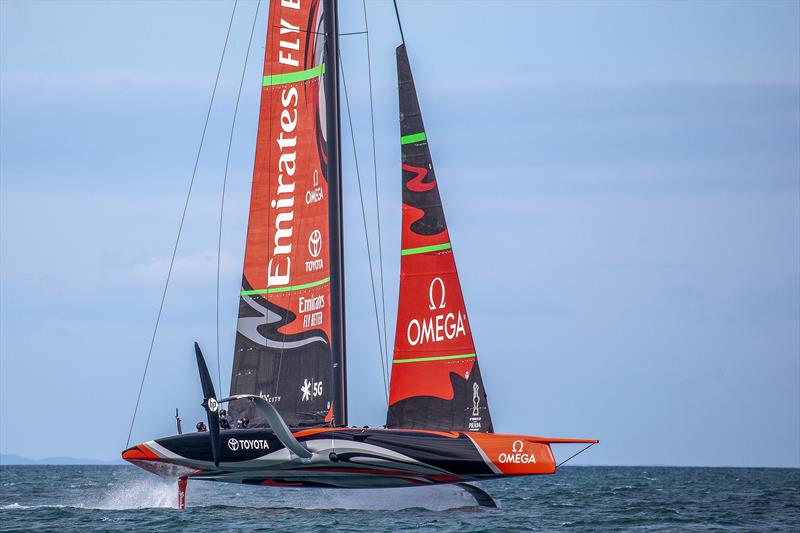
[413,138]
[439,358]
[291,77]
[287,289]
[423,249]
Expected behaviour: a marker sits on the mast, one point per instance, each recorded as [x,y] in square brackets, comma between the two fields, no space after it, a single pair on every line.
[333,136]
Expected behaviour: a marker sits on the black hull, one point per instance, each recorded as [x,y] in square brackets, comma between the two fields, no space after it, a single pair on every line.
[348,457]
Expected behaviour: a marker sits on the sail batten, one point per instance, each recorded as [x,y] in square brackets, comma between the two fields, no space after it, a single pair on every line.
[435,358]
[292,77]
[436,382]
[286,289]
[413,138]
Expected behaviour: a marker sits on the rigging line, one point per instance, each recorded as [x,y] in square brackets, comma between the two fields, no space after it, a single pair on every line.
[180,226]
[575,454]
[225,182]
[366,232]
[283,316]
[399,25]
[375,176]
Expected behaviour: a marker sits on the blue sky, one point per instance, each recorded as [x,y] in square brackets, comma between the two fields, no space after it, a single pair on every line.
[621,180]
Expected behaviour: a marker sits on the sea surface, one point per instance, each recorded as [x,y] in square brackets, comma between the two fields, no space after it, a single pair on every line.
[125,498]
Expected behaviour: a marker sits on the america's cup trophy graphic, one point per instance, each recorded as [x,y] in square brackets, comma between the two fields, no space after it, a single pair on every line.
[476,400]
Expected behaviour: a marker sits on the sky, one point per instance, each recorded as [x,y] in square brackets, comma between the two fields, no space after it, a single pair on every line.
[621,181]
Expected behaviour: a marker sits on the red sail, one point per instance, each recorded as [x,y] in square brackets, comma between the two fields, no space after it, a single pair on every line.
[284,330]
[436,381]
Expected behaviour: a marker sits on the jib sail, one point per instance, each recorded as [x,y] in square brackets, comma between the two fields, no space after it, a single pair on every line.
[284,332]
[436,381]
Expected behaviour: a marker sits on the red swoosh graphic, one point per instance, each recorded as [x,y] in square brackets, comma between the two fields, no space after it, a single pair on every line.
[415,184]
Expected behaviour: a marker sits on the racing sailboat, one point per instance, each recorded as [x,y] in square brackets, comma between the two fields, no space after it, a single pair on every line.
[289,366]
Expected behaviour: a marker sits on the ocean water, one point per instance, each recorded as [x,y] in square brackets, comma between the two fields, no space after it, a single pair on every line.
[125,498]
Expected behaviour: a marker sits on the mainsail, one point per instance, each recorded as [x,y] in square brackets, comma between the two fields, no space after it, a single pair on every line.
[436,382]
[284,333]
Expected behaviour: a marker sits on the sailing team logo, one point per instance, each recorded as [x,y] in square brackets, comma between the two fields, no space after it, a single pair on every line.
[476,420]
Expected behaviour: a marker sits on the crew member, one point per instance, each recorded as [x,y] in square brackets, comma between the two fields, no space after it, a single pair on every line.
[239,424]
[245,422]
[201,426]
[223,419]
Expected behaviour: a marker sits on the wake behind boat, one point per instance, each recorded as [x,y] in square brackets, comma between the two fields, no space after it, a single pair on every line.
[289,367]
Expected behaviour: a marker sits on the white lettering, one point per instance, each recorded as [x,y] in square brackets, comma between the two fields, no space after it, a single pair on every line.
[277,278]
[314,196]
[516,458]
[435,329]
[291,142]
[314,265]
[286,162]
[314,319]
[288,96]
[253,444]
[287,59]
[306,305]
[283,202]
[283,233]
[287,123]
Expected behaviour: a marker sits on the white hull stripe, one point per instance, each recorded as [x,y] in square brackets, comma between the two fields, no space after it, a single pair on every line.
[486,459]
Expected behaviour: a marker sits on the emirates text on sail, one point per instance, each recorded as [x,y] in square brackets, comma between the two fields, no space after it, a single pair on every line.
[280,265]
[279,274]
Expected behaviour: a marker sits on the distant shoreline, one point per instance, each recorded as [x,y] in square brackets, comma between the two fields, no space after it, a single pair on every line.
[16,460]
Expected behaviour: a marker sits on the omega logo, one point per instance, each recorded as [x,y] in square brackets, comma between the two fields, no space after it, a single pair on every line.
[443,326]
[517,454]
[431,294]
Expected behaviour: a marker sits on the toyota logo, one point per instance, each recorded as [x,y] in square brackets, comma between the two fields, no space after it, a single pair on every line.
[315,243]
[213,405]
[233,444]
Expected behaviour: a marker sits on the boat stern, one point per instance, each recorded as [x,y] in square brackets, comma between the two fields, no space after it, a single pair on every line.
[520,455]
